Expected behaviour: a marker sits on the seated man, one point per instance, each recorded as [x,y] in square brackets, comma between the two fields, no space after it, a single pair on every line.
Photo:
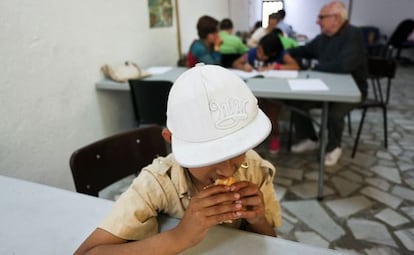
[338,49]
[206,48]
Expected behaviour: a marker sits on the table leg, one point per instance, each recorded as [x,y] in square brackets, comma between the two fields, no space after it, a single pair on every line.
[324,123]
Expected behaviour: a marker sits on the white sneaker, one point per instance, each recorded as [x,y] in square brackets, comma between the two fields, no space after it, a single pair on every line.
[332,157]
[304,145]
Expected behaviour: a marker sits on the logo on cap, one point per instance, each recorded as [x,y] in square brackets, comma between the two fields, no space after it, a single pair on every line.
[230,113]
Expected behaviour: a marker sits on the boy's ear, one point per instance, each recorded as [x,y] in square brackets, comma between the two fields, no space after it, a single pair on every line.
[166,134]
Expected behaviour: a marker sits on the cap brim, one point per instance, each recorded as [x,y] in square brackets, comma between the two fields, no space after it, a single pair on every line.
[215,151]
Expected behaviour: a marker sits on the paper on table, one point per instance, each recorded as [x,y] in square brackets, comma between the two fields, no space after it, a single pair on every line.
[308,85]
[245,75]
[158,69]
[280,74]
[268,74]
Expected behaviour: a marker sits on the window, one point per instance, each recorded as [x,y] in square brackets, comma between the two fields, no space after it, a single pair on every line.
[269,7]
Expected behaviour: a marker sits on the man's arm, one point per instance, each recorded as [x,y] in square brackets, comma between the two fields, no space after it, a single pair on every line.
[307,51]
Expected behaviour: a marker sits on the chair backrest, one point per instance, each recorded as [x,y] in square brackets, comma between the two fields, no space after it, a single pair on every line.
[149,100]
[401,33]
[375,42]
[106,161]
[381,68]
[371,35]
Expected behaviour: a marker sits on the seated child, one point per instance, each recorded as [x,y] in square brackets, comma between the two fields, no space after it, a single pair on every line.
[213,123]
[269,55]
[206,49]
[232,47]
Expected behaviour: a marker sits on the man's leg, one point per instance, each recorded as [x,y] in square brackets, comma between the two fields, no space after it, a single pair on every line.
[336,122]
[303,125]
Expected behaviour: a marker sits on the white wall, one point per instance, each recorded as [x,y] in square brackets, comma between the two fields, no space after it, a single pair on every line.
[51,52]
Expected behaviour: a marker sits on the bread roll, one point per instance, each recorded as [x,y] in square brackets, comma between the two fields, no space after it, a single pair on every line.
[228,181]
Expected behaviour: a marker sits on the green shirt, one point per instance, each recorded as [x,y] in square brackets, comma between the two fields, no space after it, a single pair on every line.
[231,44]
[288,42]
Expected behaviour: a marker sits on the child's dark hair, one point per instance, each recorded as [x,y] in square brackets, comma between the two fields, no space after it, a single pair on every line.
[271,45]
[206,25]
[226,24]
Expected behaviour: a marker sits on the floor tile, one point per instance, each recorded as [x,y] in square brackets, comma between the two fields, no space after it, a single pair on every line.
[310,190]
[391,217]
[381,251]
[371,231]
[404,193]
[382,197]
[389,173]
[311,238]
[348,206]
[343,186]
[313,215]
[406,236]
[351,176]
[290,173]
[378,183]
[408,210]
[280,192]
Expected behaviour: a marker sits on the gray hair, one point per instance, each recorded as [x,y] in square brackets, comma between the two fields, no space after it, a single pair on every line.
[338,7]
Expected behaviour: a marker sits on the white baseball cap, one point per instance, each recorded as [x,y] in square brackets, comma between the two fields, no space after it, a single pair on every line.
[213,116]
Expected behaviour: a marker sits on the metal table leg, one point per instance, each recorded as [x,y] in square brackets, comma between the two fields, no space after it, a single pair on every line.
[325,108]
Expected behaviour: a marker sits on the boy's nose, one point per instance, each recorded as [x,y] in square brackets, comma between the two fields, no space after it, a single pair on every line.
[225,169]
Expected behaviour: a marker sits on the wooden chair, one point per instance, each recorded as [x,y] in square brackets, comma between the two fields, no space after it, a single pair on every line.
[379,69]
[149,100]
[106,161]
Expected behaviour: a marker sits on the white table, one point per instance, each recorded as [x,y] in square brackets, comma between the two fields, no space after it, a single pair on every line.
[39,219]
[342,88]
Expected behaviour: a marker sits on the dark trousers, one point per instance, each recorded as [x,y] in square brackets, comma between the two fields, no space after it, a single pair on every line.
[336,114]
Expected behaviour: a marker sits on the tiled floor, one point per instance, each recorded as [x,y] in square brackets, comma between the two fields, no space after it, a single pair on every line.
[368,206]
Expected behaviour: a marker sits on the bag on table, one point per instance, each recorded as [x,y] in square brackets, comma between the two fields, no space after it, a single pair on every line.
[124,72]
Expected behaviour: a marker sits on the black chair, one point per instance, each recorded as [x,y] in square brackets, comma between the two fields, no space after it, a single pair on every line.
[398,38]
[379,69]
[106,161]
[149,100]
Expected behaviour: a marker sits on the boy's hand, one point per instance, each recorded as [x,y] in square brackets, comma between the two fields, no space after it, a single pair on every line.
[209,207]
[252,198]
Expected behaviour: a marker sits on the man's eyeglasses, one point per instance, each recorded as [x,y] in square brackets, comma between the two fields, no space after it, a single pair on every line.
[320,16]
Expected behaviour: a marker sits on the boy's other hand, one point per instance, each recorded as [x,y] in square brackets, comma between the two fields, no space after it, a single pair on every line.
[209,207]
[252,198]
